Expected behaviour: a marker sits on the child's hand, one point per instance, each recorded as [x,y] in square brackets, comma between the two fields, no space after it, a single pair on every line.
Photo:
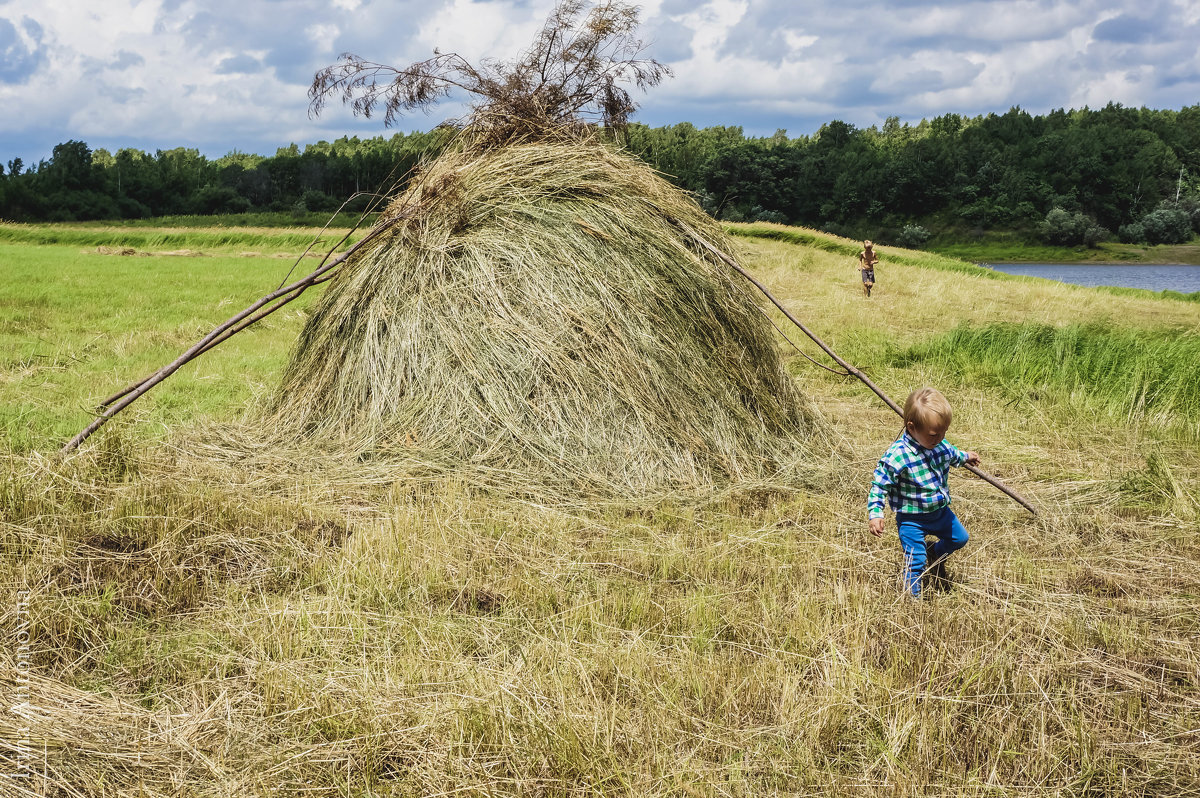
[876,526]
[972,459]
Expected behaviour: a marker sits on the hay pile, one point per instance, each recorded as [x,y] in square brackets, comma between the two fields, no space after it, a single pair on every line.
[541,314]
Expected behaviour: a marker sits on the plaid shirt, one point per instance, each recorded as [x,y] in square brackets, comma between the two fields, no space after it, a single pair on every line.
[912,477]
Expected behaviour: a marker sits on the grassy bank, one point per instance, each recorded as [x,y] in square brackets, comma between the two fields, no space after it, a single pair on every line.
[202,627]
[931,259]
[844,248]
[1001,251]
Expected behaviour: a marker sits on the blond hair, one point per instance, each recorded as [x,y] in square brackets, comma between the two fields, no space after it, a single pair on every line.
[925,405]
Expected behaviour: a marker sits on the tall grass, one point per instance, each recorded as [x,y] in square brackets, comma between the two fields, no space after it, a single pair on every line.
[1135,375]
[196,634]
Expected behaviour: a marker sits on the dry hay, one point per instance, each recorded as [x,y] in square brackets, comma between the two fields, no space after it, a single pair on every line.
[131,252]
[543,314]
[126,251]
[60,740]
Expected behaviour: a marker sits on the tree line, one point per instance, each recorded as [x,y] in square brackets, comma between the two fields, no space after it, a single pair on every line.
[1068,177]
[77,183]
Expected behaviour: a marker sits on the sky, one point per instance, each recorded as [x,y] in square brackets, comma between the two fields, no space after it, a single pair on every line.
[226,75]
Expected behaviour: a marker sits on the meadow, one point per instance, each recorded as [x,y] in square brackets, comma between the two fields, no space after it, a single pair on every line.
[202,629]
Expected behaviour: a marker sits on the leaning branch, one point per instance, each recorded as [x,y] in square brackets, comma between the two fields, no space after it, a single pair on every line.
[222,332]
[280,302]
[986,477]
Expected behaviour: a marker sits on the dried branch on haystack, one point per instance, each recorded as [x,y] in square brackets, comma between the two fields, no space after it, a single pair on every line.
[571,76]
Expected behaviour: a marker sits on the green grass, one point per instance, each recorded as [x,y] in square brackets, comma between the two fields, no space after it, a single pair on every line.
[277,219]
[162,238]
[1132,375]
[1009,252]
[796,235]
[77,326]
[1178,296]
[1006,251]
[826,242]
[1024,246]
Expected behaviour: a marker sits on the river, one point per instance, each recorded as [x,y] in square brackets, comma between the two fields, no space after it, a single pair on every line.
[1152,276]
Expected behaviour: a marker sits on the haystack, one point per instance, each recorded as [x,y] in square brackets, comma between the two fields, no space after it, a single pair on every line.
[544,313]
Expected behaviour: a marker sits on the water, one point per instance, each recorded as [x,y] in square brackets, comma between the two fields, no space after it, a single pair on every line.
[1153,276]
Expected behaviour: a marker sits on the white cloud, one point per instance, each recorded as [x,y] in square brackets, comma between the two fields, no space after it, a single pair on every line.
[711,22]
[798,41]
[221,73]
[1121,86]
[925,71]
[478,30]
[322,35]
[1006,20]
[171,91]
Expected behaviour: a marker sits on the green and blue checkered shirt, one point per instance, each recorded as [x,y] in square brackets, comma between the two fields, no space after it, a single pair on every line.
[912,477]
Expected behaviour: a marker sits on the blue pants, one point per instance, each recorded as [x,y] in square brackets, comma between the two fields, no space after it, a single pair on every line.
[942,524]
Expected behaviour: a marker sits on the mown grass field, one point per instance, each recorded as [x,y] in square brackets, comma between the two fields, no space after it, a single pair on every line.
[209,631]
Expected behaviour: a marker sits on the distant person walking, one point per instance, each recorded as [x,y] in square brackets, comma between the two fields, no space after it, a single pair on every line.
[866,265]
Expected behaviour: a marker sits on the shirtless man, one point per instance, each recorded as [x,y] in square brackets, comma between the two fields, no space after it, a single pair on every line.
[866,264]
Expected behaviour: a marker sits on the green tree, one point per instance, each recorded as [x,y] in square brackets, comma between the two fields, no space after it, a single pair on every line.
[1167,224]
[1064,228]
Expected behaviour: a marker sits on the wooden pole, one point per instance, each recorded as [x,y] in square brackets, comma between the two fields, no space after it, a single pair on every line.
[229,333]
[222,332]
[986,477]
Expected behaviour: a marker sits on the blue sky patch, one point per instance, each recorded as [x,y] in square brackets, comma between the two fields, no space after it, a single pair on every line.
[18,61]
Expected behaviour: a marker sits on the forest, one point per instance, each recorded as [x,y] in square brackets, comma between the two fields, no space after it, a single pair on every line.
[1068,177]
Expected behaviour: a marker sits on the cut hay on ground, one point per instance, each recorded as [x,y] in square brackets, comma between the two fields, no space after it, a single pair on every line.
[542,315]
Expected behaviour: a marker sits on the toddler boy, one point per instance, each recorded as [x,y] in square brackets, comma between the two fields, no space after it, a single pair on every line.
[912,475]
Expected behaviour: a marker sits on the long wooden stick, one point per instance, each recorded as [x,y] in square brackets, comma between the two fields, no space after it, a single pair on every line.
[237,328]
[283,300]
[986,477]
[221,332]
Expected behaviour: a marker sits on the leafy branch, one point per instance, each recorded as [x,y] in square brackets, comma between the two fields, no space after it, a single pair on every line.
[575,74]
